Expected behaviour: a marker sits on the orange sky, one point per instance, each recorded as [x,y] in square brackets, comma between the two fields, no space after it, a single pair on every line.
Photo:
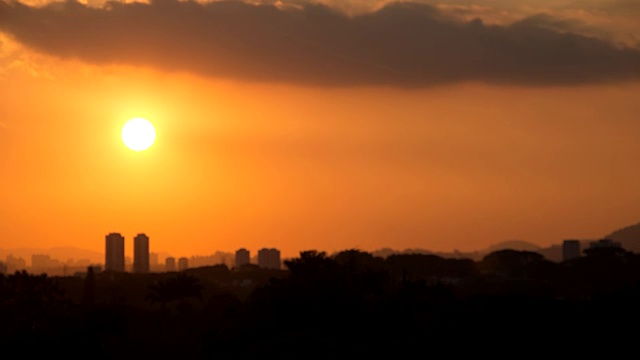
[242,163]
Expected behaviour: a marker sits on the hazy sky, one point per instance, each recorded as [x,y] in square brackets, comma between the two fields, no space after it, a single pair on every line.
[319,125]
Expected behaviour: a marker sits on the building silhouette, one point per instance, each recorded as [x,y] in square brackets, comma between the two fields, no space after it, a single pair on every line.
[15,264]
[170,264]
[114,252]
[242,257]
[570,249]
[40,263]
[269,258]
[3,268]
[183,264]
[141,254]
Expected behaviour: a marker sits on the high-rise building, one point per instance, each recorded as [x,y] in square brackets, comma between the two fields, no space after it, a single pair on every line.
[183,264]
[170,264]
[242,257]
[570,249]
[141,254]
[114,252]
[3,268]
[269,258]
[40,262]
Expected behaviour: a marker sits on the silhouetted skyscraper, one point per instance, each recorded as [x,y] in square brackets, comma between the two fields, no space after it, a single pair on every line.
[242,257]
[40,263]
[570,249]
[269,258]
[183,264]
[141,254]
[170,264]
[114,252]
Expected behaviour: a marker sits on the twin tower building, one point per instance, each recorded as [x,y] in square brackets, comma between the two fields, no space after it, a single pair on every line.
[114,253]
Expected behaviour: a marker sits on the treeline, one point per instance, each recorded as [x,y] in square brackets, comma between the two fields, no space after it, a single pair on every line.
[348,304]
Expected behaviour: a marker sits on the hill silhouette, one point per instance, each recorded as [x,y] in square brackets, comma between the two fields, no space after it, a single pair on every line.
[512,245]
[517,245]
[629,237]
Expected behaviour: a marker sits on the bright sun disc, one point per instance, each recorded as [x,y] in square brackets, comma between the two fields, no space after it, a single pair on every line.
[138,134]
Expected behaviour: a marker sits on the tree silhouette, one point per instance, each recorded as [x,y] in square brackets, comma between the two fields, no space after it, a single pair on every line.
[311,262]
[511,263]
[175,289]
[611,252]
[356,260]
[29,305]
[89,290]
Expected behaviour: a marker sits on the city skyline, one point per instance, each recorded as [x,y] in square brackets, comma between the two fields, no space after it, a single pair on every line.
[129,254]
[270,258]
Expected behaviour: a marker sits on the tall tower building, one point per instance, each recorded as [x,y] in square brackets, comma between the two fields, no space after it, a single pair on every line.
[269,258]
[242,257]
[570,249]
[40,263]
[114,252]
[141,254]
[170,264]
[183,264]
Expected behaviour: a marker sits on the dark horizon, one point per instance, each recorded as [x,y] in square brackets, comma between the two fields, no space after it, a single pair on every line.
[393,305]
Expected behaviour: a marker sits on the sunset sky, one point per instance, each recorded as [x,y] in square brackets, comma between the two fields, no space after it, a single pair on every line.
[323,125]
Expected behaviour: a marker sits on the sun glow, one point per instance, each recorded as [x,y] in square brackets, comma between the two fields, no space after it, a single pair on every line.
[138,134]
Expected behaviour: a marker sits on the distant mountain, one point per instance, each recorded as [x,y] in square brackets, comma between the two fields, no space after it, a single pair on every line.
[628,237]
[553,253]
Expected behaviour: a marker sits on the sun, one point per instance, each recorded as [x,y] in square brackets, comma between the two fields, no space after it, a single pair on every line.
[138,134]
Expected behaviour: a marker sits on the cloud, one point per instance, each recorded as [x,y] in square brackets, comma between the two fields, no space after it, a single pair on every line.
[400,44]
[625,7]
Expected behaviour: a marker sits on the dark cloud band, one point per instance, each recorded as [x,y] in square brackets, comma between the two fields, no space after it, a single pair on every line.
[402,44]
